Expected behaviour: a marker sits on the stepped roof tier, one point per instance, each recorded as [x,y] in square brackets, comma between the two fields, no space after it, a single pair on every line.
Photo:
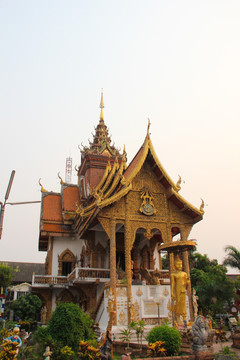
[76,207]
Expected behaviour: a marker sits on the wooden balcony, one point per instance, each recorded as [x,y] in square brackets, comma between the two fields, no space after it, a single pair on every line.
[83,275]
[89,274]
[78,275]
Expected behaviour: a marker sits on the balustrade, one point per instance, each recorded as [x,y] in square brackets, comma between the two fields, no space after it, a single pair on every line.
[79,274]
[75,275]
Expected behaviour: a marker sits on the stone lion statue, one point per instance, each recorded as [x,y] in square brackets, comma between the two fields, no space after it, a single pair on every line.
[200,333]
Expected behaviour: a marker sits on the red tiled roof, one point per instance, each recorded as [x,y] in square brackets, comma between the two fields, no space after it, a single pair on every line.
[71,196]
[52,207]
[52,227]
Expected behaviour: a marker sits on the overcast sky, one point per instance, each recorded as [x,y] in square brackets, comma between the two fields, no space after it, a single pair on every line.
[176,62]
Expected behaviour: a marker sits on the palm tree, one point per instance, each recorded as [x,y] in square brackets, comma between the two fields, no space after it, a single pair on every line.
[233,257]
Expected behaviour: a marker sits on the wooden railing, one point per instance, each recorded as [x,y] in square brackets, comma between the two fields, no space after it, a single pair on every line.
[164,274]
[91,273]
[49,280]
[77,274]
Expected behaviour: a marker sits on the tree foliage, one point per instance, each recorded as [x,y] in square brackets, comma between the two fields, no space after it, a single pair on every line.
[165,262]
[69,324]
[210,281]
[5,275]
[233,257]
[27,307]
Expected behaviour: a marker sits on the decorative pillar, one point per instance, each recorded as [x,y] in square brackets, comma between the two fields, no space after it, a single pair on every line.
[185,231]
[151,259]
[127,245]
[113,266]
[171,262]
[128,242]
[135,253]
[186,268]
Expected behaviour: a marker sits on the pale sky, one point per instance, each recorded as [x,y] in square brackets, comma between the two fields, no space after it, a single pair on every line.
[176,62]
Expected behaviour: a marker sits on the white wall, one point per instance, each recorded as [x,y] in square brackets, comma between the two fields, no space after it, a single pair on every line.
[60,244]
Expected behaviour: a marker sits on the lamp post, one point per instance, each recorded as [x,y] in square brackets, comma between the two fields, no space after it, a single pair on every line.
[2,205]
[158,301]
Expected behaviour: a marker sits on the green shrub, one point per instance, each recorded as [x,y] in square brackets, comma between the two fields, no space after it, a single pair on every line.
[42,336]
[170,336]
[60,352]
[27,307]
[69,324]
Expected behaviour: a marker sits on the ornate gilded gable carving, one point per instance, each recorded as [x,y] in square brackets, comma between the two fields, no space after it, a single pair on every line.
[117,210]
[176,215]
[146,178]
[147,206]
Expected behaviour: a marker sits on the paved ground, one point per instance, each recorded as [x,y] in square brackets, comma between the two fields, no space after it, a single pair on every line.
[218,347]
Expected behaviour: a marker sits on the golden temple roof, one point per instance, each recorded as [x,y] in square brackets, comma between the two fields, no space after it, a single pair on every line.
[117,182]
[101,140]
[67,213]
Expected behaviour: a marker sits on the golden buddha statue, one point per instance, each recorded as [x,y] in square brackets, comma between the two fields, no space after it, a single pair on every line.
[179,284]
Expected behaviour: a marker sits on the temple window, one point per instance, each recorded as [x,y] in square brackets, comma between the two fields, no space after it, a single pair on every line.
[176,233]
[99,264]
[66,263]
[66,268]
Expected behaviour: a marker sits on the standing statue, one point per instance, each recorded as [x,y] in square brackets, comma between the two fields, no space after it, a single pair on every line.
[195,304]
[15,339]
[44,315]
[47,353]
[131,309]
[179,284]
[110,302]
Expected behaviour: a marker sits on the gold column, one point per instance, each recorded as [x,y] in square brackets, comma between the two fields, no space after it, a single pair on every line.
[128,241]
[171,262]
[113,265]
[186,268]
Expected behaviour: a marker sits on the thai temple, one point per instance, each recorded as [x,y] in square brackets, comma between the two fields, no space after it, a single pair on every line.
[105,236]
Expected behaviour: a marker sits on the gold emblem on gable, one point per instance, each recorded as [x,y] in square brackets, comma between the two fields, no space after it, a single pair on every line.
[147,206]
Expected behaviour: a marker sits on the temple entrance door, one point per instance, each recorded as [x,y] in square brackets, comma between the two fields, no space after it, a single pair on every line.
[120,259]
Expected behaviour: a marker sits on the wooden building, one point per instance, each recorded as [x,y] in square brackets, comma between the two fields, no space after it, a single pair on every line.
[104,236]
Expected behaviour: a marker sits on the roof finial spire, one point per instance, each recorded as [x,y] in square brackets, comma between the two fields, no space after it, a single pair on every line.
[101,107]
[149,123]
